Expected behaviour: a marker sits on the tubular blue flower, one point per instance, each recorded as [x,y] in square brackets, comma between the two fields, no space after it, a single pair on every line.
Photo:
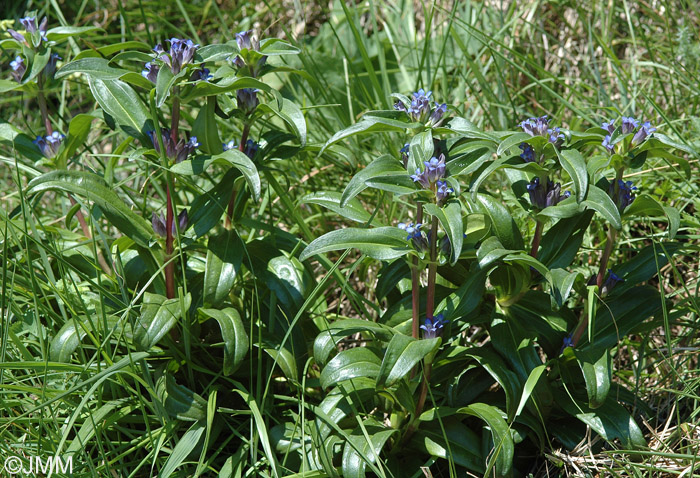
[18,68]
[610,282]
[405,151]
[415,236]
[624,196]
[181,53]
[50,67]
[536,126]
[246,40]
[433,326]
[158,222]
[421,178]
[37,33]
[435,168]
[528,152]
[609,126]
[443,191]
[542,197]
[251,148]
[247,99]
[420,109]
[201,74]
[629,124]
[606,143]
[437,115]
[50,145]
[175,151]
[645,131]
[150,71]
[568,342]
[230,145]
[556,137]
[399,106]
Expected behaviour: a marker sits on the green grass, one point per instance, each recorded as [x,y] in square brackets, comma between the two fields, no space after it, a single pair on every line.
[494,63]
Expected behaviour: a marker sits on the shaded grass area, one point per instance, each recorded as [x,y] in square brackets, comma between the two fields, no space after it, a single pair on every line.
[495,63]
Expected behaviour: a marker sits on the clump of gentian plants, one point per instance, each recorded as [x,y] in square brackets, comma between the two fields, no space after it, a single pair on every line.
[496,339]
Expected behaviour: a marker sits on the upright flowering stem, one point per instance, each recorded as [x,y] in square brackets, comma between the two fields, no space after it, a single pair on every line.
[170,266]
[609,243]
[432,269]
[415,282]
[536,239]
[232,202]
[42,105]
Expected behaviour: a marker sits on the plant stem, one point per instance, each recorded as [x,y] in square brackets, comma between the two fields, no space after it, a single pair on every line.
[536,239]
[432,270]
[176,116]
[170,266]
[415,282]
[42,105]
[232,202]
[86,232]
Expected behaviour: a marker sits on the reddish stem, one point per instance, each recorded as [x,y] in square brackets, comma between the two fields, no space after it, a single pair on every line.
[432,270]
[536,239]
[232,202]
[170,266]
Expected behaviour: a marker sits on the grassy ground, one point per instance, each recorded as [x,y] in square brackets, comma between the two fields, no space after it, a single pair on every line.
[495,63]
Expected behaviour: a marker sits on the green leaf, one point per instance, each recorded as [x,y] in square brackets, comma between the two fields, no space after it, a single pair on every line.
[205,128]
[327,340]
[511,141]
[61,33]
[69,336]
[94,188]
[164,82]
[596,365]
[402,354]
[120,101]
[465,299]
[504,226]
[647,206]
[276,47]
[182,450]
[179,401]
[95,68]
[382,166]
[38,63]
[78,131]
[363,446]
[457,442]
[350,363]
[234,335]
[529,387]
[501,461]
[224,258]
[231,157]
[572,161]
[369,124]
[562,282]
[158,316]
[207,88]
[599,201]
[207,208]
[420,150]
[352,209]
[383,243]
[506,378]
[611,422]
[291,114]
[450,217]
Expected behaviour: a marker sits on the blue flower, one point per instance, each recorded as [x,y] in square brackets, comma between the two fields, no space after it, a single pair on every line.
[646,130]
[50,67]
[158,222]
[556,137]
[181,53]
[230,145]
[536,126]
[247,99]
[432,327]
[542,196]
[18,68]
[437,115]
[415,235]
[251,148]
[610,282]
[608,146]
[420,109]
[433,172]
[624,196]
[568,342]
[528,153]
[202,74]
[629,124]
[443,191]
[49,145]
[37,33]
[150,71]
[609,126]
[405,151]
[246,41]
[175,151]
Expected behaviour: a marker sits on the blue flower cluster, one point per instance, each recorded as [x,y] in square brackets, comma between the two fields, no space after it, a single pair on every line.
[610,282]
[176,151]
[36,32]
[246,41]
[540,127]
[629,125]
[414,234]
[181,53]
[420,110]
[49,145]
[432,178]
[542,196]
[623,194]
[433,326]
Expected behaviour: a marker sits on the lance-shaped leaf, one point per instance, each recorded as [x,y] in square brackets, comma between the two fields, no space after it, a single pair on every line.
[599,201]
[291,114]
[95,189]
[234,335]
[350,363]
[381,243]
[363,446]
[371,124]
[382,166]
[501,457]
[352,210]
[120,101]
[205,128]
[402,354]
[573,163]
[450,217]
[224,258]
[645,205]
[158,316]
